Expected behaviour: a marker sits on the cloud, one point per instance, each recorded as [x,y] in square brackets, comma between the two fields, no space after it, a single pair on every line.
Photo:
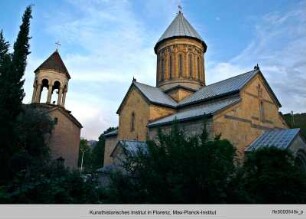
[279,46]
[104,45]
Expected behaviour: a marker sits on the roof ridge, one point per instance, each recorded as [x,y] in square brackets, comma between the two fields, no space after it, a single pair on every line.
[197,111]
[248,72]
[220,88]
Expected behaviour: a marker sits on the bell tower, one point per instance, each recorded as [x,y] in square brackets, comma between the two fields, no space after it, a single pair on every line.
[49,95]
[53,75]
[180,59]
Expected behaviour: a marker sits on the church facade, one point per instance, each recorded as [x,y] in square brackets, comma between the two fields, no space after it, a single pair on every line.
[241,108]
[64,141]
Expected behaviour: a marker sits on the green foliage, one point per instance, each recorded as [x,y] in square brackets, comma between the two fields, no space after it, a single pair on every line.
[270,176]
[32,128]
[12,68]
[50,183]
[97,153]
[177,169]
[93,158]
[84,155]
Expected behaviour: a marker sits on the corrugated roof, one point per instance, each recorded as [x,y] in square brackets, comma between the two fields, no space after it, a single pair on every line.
[54,62]
[200,111]
[280,138]
[220,88]
[111,133]
[180,27]
[132,146]
[155,95]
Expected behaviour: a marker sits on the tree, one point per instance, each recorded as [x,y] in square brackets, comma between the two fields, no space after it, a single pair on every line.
[98,151]
[84,161]
[176,169]
[271,177]
[5,124]
[50,183]
[12,67]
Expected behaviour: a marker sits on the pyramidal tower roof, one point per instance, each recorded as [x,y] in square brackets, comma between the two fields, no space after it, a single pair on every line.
[54,62]
[180,27]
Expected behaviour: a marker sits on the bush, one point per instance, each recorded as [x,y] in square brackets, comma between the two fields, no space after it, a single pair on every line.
[176,169]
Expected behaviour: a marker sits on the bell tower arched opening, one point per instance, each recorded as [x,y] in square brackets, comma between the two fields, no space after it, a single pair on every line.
[51,81]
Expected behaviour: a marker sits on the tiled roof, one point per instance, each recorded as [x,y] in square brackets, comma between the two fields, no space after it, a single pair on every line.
[54,62]
[280,138]
[132,146]
[220,88]
[155,95]
[180,27]
[197,112]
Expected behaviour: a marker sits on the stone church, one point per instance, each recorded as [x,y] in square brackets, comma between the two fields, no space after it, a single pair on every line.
[243,109]
[64,141]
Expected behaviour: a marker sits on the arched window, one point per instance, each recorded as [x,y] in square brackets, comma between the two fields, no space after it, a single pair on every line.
[170,67]
[190,65]
[162,69]
[133,122]
[43,93]
[56,86]
[199,69]
[180,65]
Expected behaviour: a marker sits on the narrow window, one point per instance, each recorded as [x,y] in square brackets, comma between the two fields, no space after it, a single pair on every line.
[170,67]
[162,69]
[190,65]
[262,111]
[133,122]
[55,121]
[199,69]
[180,65]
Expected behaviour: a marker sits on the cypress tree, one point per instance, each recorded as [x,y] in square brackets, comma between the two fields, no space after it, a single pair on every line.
[19,62]
[12,68]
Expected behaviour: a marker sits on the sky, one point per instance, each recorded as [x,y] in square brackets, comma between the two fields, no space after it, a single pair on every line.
[105,43]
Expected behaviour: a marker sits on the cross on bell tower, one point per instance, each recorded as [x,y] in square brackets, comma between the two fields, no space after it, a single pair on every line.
[57,45]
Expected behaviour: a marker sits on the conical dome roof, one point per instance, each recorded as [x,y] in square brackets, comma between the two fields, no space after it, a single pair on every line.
[180,27]
[54,62]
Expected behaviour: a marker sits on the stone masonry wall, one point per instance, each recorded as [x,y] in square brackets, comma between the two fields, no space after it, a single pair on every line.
[245,121]
[65,139]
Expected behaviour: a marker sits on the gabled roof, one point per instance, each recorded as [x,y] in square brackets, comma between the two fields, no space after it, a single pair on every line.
[280,138]
[50,107]
[224,88]
[155,95]
[54,62]
[111,133]
[131,146]
[152,94]
[180,27]
[204,110]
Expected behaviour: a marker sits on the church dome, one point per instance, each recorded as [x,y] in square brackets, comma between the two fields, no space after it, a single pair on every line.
[180,69]
[180,27]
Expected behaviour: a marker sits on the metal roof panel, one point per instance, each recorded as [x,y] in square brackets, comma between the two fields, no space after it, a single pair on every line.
[280,138]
